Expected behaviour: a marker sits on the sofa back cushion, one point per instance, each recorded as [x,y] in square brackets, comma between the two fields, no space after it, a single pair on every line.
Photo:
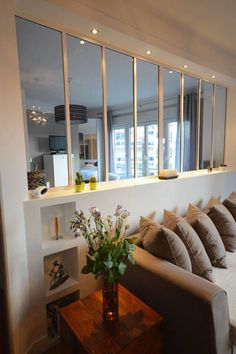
[200,262]
[208,234]
[224,223]
[230,204]
[164,243]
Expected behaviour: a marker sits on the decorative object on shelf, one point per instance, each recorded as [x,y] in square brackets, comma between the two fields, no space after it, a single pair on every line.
[168,174]
[79,183]
[38,192]
[93,183]
[36,179]
[58,275]
[222,167]
[210,169]
[109,248]
[57,228]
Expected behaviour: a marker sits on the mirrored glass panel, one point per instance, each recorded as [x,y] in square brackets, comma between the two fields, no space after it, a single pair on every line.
[119,77]
[171,120]
[86,108]
[219,126]
[205,125]
[189,138]
[42,89]
[147,133]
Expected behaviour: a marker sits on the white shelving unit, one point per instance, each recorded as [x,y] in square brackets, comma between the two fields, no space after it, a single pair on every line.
[43,250]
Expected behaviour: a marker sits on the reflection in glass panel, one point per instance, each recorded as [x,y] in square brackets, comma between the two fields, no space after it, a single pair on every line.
[171,119]
[120,114]
[205,125]
[86,108]
[219,126]
[42,87]
[147,133]
[190,123]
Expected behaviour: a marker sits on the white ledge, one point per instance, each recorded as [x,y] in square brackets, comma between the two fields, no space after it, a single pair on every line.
[61,192]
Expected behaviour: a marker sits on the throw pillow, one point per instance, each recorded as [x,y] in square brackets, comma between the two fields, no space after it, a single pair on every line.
[230,204]
[164,243]
[201,264]
[225,225]
[208,234]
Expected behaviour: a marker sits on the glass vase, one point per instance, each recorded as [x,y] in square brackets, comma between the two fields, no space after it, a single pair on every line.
[110,300]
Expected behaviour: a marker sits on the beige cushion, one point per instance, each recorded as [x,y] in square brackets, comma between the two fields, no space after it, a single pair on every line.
[164,243]
[225,225]
[200,262]
[208,234]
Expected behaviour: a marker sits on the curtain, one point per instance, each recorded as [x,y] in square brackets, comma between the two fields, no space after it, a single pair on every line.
[110,142]
[189,132]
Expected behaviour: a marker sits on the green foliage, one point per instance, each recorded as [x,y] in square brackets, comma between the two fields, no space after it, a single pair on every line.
[78,178]
[108,247]
[93,179]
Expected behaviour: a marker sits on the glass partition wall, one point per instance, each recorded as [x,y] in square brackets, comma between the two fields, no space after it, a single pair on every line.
[171,120]
[42,88]
[108,104]
[86,108]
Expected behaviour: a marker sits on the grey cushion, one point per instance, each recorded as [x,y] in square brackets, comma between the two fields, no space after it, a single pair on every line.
[230,204]
[225,224]
[200,262]
[164,243]
[208,234]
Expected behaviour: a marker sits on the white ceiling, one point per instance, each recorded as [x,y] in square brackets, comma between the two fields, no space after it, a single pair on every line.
[202,31]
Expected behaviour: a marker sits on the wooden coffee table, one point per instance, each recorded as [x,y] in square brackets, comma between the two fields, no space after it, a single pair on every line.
[138,329]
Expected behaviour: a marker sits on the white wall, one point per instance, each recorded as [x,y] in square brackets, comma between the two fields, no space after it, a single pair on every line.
[13,186]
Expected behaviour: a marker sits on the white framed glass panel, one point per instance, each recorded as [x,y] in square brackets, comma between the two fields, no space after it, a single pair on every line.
[86,108]
[189,138]
[119,77]
[206,125]
[171,119]
[42,89]
[147,132]
[219,126]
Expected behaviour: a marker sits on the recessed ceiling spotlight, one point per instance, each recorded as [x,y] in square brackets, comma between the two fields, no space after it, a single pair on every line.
[213,77]
[185,66]
[148,52]
[170,72]
[82,42]
[94,31]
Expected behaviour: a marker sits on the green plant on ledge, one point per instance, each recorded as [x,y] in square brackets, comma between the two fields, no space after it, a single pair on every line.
[109,248]
[93,183]
[79,183]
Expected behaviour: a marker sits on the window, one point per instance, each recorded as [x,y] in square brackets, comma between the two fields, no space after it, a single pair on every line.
[219,126]
[98,80]
[190,123]
[120,114]
[86,108]
[171,118]
[147,115]
[206,125]
[42,87]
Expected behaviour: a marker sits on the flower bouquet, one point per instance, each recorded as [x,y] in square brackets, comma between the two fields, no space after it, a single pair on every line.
[108,251]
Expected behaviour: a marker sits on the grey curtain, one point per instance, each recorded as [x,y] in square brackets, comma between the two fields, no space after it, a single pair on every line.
[190,132]
[110,142]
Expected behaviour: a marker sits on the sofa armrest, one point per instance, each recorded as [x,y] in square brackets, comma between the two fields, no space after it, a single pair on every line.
[195,311]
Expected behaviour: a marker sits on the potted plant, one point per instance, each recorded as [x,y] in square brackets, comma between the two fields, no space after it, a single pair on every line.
[108,251]
[79,183]
[93,183]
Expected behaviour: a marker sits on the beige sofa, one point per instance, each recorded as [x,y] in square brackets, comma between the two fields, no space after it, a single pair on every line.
[195,311]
